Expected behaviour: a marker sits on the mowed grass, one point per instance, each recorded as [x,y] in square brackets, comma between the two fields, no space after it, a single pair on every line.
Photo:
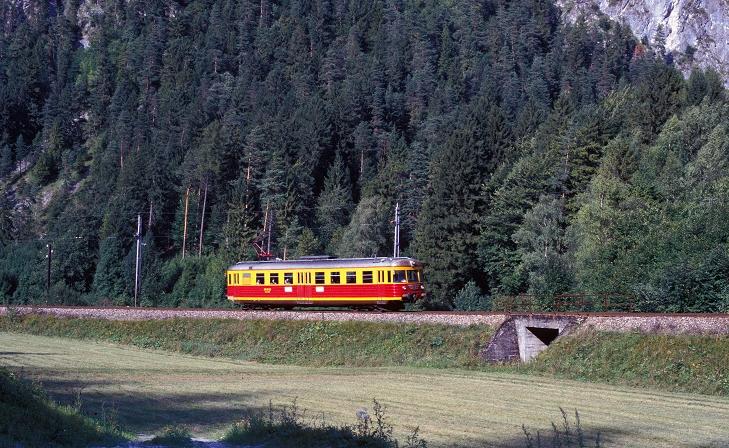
[150,389]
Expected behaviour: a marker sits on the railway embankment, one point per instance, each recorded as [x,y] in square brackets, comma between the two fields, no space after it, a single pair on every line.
[130,313]
[698,324]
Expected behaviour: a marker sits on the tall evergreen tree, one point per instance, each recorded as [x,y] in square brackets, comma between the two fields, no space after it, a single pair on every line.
[446,238]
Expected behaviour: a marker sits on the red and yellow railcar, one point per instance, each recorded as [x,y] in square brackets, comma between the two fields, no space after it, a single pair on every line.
[370,283]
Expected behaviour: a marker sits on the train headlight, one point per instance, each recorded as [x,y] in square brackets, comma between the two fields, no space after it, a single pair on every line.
[404,288]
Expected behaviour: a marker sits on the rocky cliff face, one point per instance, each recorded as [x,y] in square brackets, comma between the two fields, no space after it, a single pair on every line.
[696,32]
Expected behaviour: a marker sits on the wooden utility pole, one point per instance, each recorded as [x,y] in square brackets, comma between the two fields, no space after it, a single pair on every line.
[184,226]
[149,221]
[202,218]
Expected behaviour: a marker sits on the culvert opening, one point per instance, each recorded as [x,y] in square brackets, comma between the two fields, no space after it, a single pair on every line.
[546,335]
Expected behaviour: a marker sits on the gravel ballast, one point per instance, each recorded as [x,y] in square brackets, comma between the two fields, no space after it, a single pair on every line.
[710,324]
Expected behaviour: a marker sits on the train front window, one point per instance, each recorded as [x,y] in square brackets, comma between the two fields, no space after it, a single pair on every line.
[319,278]
[334,278]
[260,279]
[273,278]
[351,277]
[400,276]
[413,277]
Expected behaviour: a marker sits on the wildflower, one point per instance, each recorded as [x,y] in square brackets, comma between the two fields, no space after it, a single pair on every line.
[362,414]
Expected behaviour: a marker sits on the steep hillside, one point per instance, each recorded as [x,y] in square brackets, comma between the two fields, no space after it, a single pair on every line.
[528,154]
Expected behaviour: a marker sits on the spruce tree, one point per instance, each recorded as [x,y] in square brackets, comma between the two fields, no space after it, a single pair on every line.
[447,236]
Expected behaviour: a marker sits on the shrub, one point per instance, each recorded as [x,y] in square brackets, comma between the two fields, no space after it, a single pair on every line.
[287,428]
[564,437]
[173,435]
[470,298]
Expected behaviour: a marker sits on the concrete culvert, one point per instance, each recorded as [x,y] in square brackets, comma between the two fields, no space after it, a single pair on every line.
[523,336]
[546,335]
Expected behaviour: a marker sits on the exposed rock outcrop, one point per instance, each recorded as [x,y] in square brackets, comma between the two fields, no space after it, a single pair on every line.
[695,31]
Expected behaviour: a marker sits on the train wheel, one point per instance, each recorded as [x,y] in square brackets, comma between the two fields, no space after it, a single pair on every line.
[395,306]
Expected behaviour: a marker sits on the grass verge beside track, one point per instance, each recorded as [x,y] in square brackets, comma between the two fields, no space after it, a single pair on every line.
[305,343]
[681,363]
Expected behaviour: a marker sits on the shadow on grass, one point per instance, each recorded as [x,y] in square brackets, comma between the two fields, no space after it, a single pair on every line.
[149,412]
[26,353]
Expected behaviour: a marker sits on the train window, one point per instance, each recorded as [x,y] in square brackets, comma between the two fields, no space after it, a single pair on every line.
[260,279]
[380,276]
[334,278]
[351,277]
[399,276]
[413,276]
[273,278]
[237,278]
[367,277]
[246,279]
[288,278]
[389,276]
[319,278]
[230,280]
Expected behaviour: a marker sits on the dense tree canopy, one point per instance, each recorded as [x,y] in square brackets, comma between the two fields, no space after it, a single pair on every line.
[528,155]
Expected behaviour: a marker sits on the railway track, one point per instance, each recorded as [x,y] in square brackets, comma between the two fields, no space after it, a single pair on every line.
[662,323]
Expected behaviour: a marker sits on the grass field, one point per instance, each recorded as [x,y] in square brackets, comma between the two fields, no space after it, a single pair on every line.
[149,389]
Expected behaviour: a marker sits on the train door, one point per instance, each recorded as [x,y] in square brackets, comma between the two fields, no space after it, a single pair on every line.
[388,283]
[303,287]
[381,293]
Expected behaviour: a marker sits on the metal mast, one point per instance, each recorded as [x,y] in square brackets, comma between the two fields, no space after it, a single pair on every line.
[138,273]
[48,278]
[396,249]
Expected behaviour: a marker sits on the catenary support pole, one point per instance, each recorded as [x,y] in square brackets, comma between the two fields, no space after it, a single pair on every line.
[138,272]
[396,249]
[48,277]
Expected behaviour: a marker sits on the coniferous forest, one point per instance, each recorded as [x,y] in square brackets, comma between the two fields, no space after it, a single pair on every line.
[528,155]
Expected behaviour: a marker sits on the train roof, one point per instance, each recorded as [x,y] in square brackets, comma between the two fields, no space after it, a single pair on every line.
[325,263]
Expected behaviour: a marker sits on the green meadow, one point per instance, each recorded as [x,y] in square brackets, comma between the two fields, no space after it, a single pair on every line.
[434,383]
